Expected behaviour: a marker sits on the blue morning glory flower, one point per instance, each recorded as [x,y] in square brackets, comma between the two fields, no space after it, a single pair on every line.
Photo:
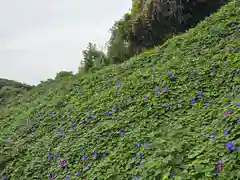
[58,155]
[200,93]
[212,136]
[214,69]
[168,73]
[84,158]
[206,105]
[67,178]
[107,113]
[225,131]
[165,105]
[171,175]
[94,154]
[233,148]
[86,166]
[161,83]
[78,173]
[141,164]
[74,127]
[50,156]
[91,116]
[51,176]
[145,96]
[192,100]
[9,141]
[51,114]
[145,102]
[118,84]
[238,121]
[122,132]
[233,89]
[229,145]
[81,147]
[172,77]
[164,89]
[147,145]
[138,144]
[139,156]
[105,154]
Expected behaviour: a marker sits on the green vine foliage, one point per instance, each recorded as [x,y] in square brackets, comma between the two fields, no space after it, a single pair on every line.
[172,112]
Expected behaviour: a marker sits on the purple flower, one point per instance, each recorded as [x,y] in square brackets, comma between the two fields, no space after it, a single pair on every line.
[214,69]
[137,177]
[63,163]
[164,89]
[165,105]
[138,144]
[141,163]
[9,141]
[51,176]
[84,158]
[233,148]
[74,127]
[212,136]
[220,164]
[145,102]
[122,132]
[81,147]
[225,131]
[67,177]
[229,145]
[91,116]
[78,173]
[118,84]
[50,156]
[94,154]
[168,73]
[147,145]
[58,156]
[145,96]
[233,89]
[51,114]
[171,175]
[192,100]
[86,166]
[139,156]
[107,113]
[105,154]
[238,121]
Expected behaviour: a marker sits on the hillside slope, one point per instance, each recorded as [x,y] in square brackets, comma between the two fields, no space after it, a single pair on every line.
[170,112]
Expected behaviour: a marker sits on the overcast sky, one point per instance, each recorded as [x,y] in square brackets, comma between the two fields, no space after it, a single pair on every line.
[39,38]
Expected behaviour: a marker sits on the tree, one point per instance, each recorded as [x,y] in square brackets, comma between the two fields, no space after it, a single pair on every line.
[119,46]
[93,58]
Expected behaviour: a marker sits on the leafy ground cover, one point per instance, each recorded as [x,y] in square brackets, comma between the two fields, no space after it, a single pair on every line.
[172,112]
